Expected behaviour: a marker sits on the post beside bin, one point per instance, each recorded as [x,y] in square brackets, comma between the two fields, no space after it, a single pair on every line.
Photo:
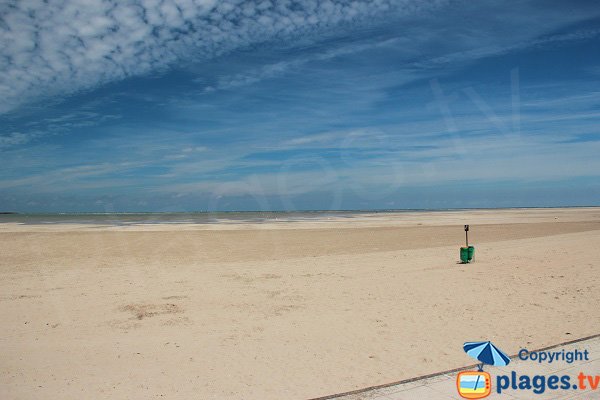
[467,253]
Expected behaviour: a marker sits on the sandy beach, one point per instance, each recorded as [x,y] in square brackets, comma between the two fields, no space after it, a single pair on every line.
[284,309]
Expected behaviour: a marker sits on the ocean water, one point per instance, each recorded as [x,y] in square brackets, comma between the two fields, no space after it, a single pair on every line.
[208,217]
[177,218]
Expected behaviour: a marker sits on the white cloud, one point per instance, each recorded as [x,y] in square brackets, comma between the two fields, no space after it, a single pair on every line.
[488,160]
[281,67]
[14,138]
[327,138]
[53,126]
[495,50]
[60,47]
[497,31]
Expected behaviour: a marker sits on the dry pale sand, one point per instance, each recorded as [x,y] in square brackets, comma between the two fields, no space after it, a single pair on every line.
[284,310]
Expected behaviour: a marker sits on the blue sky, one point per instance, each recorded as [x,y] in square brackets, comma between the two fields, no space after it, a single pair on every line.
[245,105]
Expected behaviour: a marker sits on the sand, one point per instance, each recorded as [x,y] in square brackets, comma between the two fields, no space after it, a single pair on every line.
[284,310]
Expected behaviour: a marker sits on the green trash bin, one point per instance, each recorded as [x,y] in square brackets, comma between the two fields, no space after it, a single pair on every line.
[467,254]
[464,255]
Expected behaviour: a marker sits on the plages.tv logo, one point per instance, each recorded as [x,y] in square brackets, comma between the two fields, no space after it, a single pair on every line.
[474,384]
[478,384]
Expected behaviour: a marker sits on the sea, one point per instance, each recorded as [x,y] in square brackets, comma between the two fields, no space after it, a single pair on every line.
[208,217]
[187,217]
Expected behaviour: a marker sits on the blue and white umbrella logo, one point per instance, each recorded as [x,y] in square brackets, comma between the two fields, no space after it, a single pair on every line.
[487,353]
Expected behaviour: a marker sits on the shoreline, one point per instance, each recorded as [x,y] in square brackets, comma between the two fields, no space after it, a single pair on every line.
[387,219]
